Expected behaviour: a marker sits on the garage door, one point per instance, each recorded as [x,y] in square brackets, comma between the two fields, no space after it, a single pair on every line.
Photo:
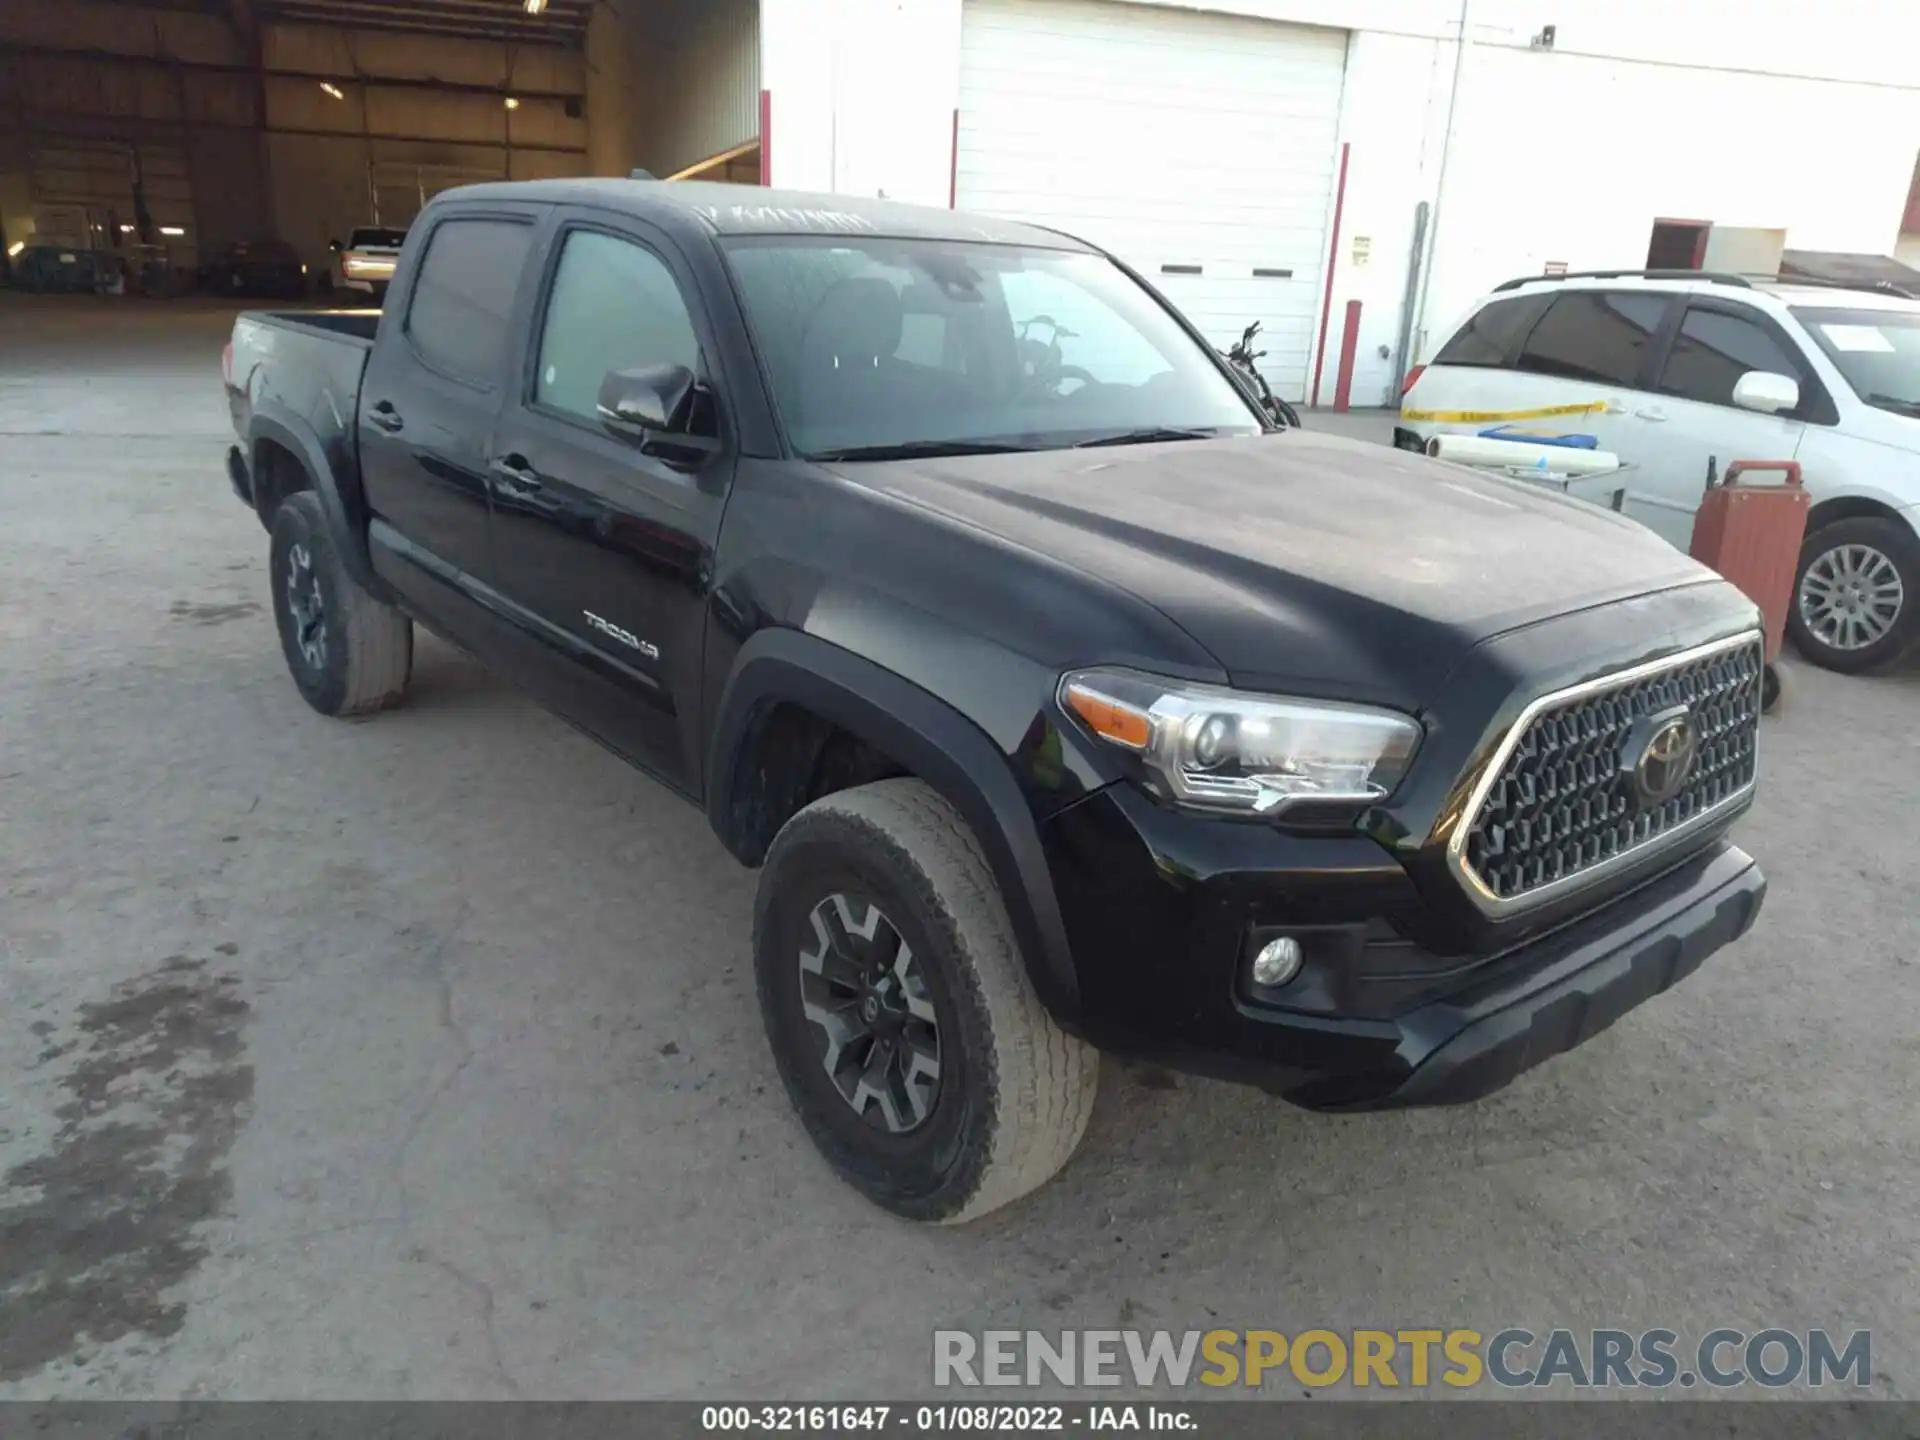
[1199,148]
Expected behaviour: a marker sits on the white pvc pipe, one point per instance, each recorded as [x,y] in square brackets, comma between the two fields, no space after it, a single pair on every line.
[1520,455]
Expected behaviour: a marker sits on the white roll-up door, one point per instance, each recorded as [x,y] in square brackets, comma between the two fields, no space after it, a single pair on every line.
[1199,148]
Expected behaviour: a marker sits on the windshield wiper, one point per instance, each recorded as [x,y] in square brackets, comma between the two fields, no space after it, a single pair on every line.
[1143,437]
[1895,404]
[921,450]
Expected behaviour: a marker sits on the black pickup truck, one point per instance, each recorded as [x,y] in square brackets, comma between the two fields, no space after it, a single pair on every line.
[1064,703]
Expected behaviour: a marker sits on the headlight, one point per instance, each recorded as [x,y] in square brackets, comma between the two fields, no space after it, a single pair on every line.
[1216,749]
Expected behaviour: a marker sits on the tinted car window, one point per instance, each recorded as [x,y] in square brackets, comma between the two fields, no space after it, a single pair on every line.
[614,306]
[1714,349]
[393,239]
[461,302]
[1596,335]
[1490,336]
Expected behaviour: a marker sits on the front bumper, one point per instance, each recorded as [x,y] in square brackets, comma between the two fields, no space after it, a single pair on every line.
[1567,988]
[1163,913]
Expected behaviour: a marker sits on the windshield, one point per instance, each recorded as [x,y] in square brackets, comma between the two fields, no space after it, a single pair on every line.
[1878,351]
[936,346]
[372,239]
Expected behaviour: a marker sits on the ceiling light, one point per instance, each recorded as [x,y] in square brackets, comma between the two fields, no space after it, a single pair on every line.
[126,229]
[534,7]
[513,102]
[171,230]
[332,89]
[16,247]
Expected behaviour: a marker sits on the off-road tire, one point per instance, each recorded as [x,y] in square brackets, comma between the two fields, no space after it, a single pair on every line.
[1015,1091]
[1890,538]
[365,654]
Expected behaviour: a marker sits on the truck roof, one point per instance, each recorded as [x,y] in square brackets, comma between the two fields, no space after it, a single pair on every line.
[753,210]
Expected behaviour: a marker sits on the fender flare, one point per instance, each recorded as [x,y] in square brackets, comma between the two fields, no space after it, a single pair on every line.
[340,500]
[940,745]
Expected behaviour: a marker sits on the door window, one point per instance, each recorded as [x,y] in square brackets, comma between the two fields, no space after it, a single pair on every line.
[1714,349]
[457,318]
[1596,335]
[614,306]
[1489,336]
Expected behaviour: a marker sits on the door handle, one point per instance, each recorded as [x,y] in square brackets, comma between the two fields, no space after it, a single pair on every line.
[384,417]
[514,473]
[1652,412]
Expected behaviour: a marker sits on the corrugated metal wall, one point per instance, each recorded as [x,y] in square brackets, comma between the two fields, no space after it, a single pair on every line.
[699,71]
[172,100]
[394,133]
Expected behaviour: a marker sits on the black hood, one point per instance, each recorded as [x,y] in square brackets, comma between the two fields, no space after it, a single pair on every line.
[1305,561]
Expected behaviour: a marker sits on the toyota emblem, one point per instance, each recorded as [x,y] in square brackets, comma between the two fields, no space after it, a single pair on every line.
[1663,760]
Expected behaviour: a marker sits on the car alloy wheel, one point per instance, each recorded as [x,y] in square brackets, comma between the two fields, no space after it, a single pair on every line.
[863,994]
[306,607]
[1851,596]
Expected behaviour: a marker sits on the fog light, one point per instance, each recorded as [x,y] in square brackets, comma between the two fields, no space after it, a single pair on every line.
[1278,961]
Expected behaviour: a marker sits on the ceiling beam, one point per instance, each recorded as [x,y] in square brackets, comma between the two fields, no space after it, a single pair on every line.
[559,24]
[362,81]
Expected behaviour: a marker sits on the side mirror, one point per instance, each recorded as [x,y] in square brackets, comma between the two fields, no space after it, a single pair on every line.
[335,246]
[652,407]
[1766,392]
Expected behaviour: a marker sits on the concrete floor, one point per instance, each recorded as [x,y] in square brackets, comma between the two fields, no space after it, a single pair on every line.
[419,1058]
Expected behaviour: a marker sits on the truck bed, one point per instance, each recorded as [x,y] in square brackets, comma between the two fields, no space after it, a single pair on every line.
[301,370]
[354,324]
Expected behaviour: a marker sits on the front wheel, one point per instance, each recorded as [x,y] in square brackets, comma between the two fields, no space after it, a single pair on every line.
[1856,593]
[1285,413]
[899,1011]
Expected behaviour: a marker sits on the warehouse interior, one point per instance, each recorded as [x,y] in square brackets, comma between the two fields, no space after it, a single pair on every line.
[176,127]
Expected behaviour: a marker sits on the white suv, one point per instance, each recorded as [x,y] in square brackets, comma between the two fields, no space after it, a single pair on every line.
[1676,372]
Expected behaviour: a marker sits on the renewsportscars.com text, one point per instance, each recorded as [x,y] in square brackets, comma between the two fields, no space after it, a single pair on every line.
[1514,1358]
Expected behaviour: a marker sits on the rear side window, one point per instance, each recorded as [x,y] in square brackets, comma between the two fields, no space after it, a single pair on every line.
[1491,335]
[463,297]
[1714,349]
[1596,335]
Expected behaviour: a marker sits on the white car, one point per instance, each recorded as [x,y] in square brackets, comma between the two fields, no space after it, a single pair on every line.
[365,262]
[1676,373]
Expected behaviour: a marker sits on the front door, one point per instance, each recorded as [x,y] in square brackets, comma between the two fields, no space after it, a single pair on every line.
[429,401]
[1690,423]
[605,550]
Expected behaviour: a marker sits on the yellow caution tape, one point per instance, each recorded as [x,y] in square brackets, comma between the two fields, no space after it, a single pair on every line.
[1479,417]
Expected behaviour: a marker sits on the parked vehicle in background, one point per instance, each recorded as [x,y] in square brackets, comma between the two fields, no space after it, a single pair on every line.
[1064,704]
[265,268]
[365,262]
[1676,371]
[61,269]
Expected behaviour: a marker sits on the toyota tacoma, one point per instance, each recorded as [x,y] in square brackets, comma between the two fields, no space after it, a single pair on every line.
[1064,704]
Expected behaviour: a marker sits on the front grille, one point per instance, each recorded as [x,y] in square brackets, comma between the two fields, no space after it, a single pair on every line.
[1565,802]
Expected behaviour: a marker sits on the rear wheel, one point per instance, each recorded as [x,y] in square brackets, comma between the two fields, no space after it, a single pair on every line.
[1856,595]
[899,1011]
[348,653]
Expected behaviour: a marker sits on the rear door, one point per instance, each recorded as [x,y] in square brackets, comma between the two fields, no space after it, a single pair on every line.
[1576,369]
[1691,422]
[428,406]
[1474,371]
[606,550]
